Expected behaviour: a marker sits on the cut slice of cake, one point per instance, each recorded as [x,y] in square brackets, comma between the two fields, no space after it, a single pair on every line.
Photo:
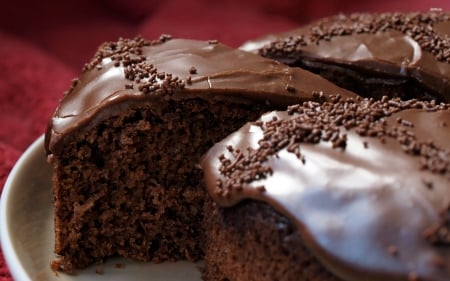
[126,140]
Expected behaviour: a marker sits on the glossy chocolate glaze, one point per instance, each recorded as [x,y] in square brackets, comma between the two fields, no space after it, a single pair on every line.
[389,46]
[207,70]
[363,210]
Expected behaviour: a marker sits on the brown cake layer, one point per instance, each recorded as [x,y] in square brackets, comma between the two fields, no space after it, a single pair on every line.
[253,242]
[126,140]
[394,54]
[128,186]
[365,183]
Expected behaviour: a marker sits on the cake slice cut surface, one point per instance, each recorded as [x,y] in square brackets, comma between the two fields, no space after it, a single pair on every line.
[126,140]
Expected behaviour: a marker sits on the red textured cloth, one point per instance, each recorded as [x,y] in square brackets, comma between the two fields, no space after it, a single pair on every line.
[44,44]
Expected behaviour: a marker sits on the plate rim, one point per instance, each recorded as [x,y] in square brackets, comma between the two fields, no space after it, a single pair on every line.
[13,263]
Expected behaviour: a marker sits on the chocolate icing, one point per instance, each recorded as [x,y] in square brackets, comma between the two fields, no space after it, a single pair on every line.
[371,207]
[390,45]
[220,73]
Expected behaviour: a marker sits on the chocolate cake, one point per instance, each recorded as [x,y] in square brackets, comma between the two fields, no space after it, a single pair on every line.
[394,54]
[126,140]
[345,190]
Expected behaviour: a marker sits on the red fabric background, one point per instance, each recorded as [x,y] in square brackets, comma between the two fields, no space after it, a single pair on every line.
[44,45]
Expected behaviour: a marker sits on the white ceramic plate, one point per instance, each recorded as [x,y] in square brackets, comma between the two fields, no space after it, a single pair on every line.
[26,229]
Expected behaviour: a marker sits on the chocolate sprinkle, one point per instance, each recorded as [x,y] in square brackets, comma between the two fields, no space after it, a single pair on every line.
[314,122]
[418,26]
[439,235]
[290,88]
[119,51]
[127,53]
[393,250]
[193,70]
[74,83]
[413,276]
